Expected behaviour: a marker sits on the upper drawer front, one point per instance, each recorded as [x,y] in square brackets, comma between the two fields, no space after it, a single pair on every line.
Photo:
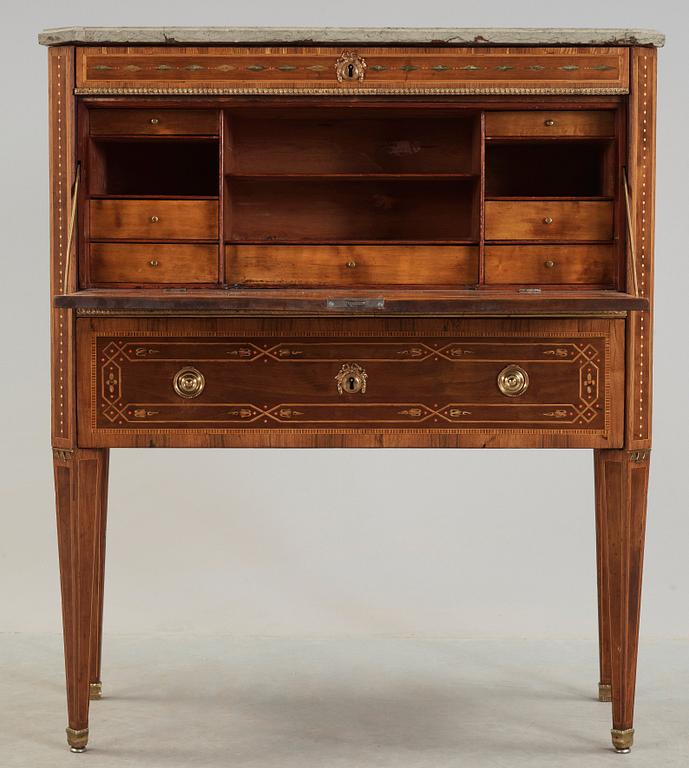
[541,123]
[549,220]
[364,69]
[351,265]
[179,377]
[153,219]
[153,122]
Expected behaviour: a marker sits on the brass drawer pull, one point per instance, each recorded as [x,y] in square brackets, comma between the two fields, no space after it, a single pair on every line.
[549,264]
[154,121]
[549,123]
[351,379]
[153,263]
[513,381]
[154,219]
[188,382]
[547,220]
[351,264]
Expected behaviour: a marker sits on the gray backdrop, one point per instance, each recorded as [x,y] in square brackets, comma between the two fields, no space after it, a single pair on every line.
[325,543]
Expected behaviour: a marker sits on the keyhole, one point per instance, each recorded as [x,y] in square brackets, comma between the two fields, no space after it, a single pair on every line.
[350,70]
[351,383]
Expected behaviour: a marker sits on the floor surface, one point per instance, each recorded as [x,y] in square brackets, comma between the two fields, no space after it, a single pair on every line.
[181,702]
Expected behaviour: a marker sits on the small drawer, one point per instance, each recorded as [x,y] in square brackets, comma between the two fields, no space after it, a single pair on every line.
[539,123]
[550,264]
[153,122]
[549,220]
[351,265]
[154,219]
[153,263]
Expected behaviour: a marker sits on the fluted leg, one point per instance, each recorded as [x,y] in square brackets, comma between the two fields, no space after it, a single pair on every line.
[79,479]
[604,678]
[623,481]
[95,683]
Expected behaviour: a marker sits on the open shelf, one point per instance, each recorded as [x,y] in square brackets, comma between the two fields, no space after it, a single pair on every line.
[547,169]
[265,210]
[154,168]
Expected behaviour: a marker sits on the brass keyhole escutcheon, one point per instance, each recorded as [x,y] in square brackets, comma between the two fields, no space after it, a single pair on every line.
[513,381]
[188,382]
[351,379]
[350,66]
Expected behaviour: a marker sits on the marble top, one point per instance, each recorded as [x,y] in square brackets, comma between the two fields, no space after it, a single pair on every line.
[428,36]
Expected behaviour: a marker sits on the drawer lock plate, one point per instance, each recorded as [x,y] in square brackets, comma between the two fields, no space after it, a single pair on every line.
[351,379]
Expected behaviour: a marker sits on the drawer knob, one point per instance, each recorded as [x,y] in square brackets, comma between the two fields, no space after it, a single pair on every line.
[351,379]
[549,264]
[154,219]
[550,123]
[351,264]
[547,220]
[513,381]
[153,262]
[188,382]
[154,121]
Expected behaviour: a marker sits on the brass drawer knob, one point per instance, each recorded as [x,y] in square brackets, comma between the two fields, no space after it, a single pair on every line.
[154,219]
[188,382]
[513,381]
[547,220]
[550,123]
[549,264]
[351,379]
[351,264]
[154,121]
[153,263]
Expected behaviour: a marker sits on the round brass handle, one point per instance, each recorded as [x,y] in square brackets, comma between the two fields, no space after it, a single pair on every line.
[351,264]
[154,219]
[549,264]
[154,121]
[351,379]
[513,381]
[188,382]
[547,220]
[549,123]
[153,262]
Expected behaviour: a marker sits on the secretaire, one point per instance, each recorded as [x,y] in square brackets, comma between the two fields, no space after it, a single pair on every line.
[352,238]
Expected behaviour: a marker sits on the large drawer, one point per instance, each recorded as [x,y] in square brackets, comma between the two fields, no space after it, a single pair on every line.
[351,265]
[346,382]
[549,220]
[154,219]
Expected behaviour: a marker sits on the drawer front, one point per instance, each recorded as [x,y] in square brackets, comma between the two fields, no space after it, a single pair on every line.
[361,69]
[541,123]
[351,265]
[153,122]
[142,263]
[289,382]
[550,264]
[549,220]
[153,219]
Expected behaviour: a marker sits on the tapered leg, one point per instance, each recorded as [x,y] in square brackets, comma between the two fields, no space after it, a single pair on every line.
[623,480]
[79,479]
[604,678]
[95,683]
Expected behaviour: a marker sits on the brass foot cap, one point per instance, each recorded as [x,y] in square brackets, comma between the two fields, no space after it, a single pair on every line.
[95,691]
[604,692]
[622,740]
[77,740]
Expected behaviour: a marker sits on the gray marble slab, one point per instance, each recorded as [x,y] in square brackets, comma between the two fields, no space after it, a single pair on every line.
[428,36]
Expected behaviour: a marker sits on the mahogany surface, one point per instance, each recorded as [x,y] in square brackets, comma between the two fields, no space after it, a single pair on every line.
[393,246]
